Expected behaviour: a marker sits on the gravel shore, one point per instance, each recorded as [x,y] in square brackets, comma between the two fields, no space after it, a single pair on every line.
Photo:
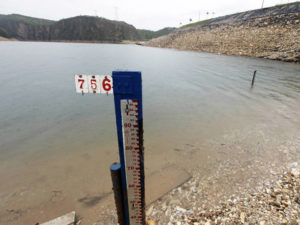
[254,178]
[239,191]
[276,202]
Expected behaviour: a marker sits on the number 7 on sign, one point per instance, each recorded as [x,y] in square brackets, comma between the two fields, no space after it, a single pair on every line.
[101,84]
[81,84]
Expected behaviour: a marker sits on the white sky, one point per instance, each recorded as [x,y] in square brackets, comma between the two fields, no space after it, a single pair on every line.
[143,14]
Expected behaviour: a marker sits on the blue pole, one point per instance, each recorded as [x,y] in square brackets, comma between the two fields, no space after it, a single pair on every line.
[128,86]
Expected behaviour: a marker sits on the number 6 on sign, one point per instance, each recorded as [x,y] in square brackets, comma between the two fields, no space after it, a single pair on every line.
[106,85]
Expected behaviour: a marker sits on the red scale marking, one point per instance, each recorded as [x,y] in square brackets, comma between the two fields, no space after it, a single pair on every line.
[132,140]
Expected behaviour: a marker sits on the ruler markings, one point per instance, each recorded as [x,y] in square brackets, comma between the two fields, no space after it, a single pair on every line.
[129,112]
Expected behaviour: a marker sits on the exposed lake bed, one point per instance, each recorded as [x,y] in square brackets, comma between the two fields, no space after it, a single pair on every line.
[199,112]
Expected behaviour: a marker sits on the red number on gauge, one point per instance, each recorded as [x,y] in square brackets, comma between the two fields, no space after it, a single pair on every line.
[94,84]
[81,81]
[106,84]
[127,124]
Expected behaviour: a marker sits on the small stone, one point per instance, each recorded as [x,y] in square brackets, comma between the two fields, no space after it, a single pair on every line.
[274,203]
[149,211]
[180,209]
[295,172]
[150,222]
[242,217]
[285,190]
[164,206]
[286,203]
[294,222]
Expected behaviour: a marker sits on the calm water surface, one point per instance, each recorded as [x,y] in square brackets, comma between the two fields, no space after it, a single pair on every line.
[187,95]
[40,111]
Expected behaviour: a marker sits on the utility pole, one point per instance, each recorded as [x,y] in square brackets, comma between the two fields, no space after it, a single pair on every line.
[262,5]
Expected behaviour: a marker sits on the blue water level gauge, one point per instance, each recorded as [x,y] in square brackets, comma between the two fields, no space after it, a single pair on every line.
[127,89]
[129,118]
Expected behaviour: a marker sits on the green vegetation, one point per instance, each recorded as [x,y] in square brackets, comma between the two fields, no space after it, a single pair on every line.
[79,28]
[164,31]
[90,28]
[26,19]
[282,5]
[146,34]
[149,34]
[4,33]
[195,24]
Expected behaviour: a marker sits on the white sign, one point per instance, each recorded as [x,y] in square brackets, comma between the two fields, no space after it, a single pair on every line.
[101,84]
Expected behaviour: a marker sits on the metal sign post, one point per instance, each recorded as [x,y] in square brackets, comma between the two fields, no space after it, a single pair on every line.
[127,89]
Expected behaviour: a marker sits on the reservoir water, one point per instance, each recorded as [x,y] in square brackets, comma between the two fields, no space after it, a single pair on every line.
[53,140]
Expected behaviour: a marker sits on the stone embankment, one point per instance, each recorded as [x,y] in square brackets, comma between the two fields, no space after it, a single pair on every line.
[272,33]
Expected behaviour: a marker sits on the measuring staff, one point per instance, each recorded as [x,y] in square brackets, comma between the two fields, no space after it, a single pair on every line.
[127,89]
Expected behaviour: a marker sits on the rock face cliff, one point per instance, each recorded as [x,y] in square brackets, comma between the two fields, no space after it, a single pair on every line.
[81,28]
[272,33]
[25,28]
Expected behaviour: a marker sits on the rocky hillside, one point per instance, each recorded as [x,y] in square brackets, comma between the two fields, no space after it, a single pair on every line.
[272,33]
[81,28]
[24,28]
[88,28]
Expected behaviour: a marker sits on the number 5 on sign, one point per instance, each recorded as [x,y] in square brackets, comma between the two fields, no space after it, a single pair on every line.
[94,84]
[101,84]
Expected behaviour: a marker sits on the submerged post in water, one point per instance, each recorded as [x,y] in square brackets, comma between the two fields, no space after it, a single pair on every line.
[115,171]
[253,79]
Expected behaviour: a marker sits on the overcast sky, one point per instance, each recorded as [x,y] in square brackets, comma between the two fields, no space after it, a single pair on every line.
[146,14]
